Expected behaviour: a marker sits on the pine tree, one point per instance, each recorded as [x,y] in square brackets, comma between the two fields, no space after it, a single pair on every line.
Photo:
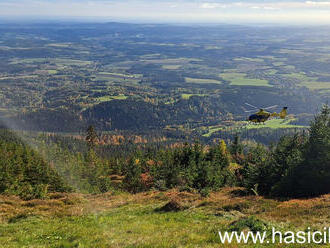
[236,147]
[91,137]
[275,173]
[132,181]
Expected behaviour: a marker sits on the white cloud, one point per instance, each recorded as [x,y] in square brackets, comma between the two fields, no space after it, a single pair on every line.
[317,3]
[212,5]
[173,10]
[264,8]
[271,8]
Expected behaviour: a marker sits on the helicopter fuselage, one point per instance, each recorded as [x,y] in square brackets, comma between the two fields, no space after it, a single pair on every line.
[262,116]
[259,117]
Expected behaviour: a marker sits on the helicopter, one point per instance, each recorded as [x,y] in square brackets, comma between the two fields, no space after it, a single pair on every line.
[262,115]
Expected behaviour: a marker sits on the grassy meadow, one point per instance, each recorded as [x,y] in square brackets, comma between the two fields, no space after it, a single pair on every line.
[151,219]
[236,78]
[239,125]
[275,124]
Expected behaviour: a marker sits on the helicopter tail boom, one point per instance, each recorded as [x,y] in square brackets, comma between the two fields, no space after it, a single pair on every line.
[283,113]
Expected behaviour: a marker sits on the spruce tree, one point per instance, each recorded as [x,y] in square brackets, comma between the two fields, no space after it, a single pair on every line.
[313,177]
[91,137]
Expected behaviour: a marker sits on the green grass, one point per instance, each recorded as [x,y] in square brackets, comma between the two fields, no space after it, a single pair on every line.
[58,61]
[135,225]
[121,75]
[52,71]
[316,85]
[258,60]
[274,124]
[278,63]
[271,72]
[187,96]
[236,78]
[133,220]
[110,98]
[118,77]
[300,76]
[293,51]
[213,129]
[171,67]
[18,77]
[309,82]
[175,61]
[59,45]
[323,59]
[202,81]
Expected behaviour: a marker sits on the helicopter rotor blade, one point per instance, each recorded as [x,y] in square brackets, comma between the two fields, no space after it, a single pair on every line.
[249,111]
[271,107]
[251,105]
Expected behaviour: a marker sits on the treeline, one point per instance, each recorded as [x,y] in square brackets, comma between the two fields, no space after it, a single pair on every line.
[297,166]
[24,173]
[266,136]
[136,114]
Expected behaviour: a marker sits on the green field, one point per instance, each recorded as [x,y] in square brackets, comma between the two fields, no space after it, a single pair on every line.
[110,98]
[258,60]
[171,67]
[121,75]
[274,124]
[316,85]
[176,61]
[117,77]
[60,45]
[236,78]
[58,61]
[52,71]
[213,129]
[187,96]
[299,76]
[278,63]
[202,81]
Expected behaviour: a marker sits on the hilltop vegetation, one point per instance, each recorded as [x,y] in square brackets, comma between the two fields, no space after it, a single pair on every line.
[126,220]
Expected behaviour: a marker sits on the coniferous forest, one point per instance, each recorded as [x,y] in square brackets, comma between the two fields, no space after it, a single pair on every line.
[296,166]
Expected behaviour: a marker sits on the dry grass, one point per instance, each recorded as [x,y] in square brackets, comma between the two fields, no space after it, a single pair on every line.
[298,211]
[126,220]
[59,204]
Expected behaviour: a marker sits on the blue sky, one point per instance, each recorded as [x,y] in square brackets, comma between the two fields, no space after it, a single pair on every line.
[203,11]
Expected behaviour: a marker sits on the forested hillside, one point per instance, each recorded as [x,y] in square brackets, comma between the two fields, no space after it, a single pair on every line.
[297,166]
[24,172]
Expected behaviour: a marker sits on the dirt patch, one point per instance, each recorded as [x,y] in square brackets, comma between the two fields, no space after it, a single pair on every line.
[173,205]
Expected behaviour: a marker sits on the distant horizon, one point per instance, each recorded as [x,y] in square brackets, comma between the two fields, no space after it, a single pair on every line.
[281,12]
[91,20]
